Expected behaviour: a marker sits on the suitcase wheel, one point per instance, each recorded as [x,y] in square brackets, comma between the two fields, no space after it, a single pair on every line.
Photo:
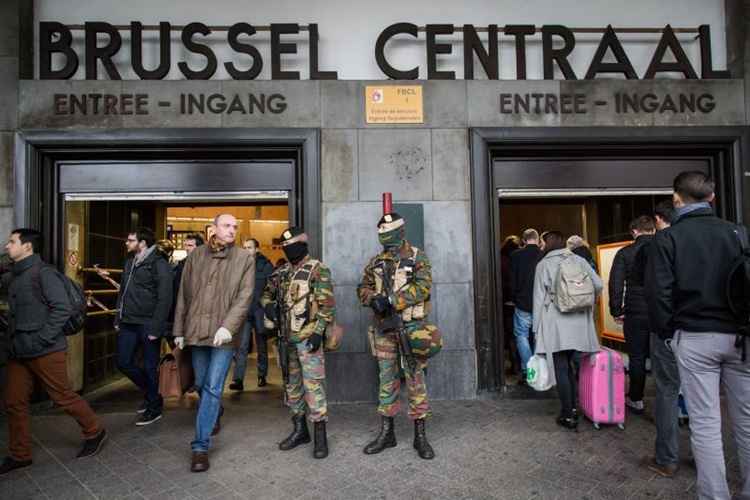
[597,426]
[621,427]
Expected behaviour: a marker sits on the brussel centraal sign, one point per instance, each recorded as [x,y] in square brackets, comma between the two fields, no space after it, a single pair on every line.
[558,43]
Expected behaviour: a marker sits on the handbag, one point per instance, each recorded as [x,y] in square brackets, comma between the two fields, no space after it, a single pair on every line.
[169,377]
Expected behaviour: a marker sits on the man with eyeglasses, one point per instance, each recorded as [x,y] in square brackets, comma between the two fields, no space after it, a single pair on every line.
[143,303]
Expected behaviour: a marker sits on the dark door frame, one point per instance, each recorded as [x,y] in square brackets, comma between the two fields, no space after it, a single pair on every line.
[728,145]
[38,153]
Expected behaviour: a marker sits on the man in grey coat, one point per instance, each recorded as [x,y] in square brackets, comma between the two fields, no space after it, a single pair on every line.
[561,335]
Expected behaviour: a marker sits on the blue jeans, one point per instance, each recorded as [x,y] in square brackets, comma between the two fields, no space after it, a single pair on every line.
[254,323]
[129,339]
[211,365]
[522,322]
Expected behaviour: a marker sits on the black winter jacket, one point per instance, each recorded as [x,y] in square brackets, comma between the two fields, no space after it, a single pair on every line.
[263,271]
[686,277]
[176,280]
[626,293]
[36,325]
[522,268]
[145,296]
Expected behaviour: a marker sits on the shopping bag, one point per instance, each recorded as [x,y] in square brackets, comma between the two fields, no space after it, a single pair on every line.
[537,373]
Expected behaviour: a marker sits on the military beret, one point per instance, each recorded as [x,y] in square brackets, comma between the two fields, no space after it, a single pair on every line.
[389,222]
[292,235]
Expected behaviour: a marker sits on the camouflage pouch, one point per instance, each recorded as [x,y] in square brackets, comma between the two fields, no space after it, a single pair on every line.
[425,339]
[371,340]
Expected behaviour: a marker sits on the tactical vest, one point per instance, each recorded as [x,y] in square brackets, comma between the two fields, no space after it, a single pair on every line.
[405,268]
[299,297]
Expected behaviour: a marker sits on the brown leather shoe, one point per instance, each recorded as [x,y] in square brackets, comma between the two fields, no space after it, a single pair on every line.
[199,462]
[668,470]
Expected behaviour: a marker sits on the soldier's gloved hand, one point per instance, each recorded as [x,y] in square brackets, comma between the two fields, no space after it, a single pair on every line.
[270,311]
[380,305]
[222,336]
[179,342]
[315,341]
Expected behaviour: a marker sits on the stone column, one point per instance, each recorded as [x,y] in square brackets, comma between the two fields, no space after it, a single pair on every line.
[16,45]
[738,43]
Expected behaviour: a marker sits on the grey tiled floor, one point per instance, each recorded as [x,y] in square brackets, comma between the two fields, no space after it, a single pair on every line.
[485,449]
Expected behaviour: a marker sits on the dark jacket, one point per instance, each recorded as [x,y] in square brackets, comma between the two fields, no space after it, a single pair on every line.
[263,271]
[145,296]
[626,294]
[522,267]
[36,325]
[686,277]
[176,278]
[585,253]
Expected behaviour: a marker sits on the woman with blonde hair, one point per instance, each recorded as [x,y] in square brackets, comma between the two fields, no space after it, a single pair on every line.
[580,247]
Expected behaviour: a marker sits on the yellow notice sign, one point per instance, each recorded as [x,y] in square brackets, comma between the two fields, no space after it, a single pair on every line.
[394,104]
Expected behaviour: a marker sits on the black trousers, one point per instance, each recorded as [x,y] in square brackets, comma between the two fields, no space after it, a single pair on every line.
[637,338]
[566,371]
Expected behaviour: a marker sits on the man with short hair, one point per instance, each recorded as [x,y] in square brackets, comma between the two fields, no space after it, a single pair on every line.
[627,305]
[664,369]
[688,270]
[39,309]
[216,290]
[189,243]
[263,270]
[663,214]
[522,267]
[143,302]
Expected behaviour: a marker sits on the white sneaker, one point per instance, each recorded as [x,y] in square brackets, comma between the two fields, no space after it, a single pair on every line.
[636,406]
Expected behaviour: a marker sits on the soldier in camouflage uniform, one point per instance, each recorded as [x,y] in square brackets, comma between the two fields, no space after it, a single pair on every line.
[305,288]
[398,282]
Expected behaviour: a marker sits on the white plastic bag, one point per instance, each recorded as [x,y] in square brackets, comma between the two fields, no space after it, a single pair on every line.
[537,373]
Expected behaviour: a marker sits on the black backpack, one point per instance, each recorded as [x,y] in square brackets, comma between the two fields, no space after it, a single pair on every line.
[75,293]
[738,283]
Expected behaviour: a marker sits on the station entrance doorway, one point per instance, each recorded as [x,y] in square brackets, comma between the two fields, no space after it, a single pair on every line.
[95,250]
[601,220]
[87,190]
[585,182]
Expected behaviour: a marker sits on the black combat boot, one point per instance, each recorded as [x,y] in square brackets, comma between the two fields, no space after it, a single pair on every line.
[420,441]
[321,440]
[300,434]
[386,438]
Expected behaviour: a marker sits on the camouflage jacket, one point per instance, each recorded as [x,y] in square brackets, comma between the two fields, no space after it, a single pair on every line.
[410,276]
[307,292]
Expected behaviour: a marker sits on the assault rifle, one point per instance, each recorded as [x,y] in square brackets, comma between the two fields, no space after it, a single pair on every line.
[281,325]
[391,321]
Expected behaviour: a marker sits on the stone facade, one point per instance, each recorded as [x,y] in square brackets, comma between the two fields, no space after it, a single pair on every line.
[426,163]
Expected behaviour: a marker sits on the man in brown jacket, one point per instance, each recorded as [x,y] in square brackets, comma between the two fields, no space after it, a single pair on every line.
[215,292]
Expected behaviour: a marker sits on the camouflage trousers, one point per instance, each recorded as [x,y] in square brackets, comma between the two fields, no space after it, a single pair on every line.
[305,389]
[386,350]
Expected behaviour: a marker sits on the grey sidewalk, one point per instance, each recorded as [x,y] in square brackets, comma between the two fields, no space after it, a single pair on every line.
[508,449]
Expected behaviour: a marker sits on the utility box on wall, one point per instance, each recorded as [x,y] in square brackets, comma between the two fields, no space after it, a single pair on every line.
[414,215]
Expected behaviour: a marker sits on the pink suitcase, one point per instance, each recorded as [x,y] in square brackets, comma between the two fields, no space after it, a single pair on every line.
[601,388]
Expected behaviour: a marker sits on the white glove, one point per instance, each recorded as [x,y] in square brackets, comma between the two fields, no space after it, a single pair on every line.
[222,336]
[179,342]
